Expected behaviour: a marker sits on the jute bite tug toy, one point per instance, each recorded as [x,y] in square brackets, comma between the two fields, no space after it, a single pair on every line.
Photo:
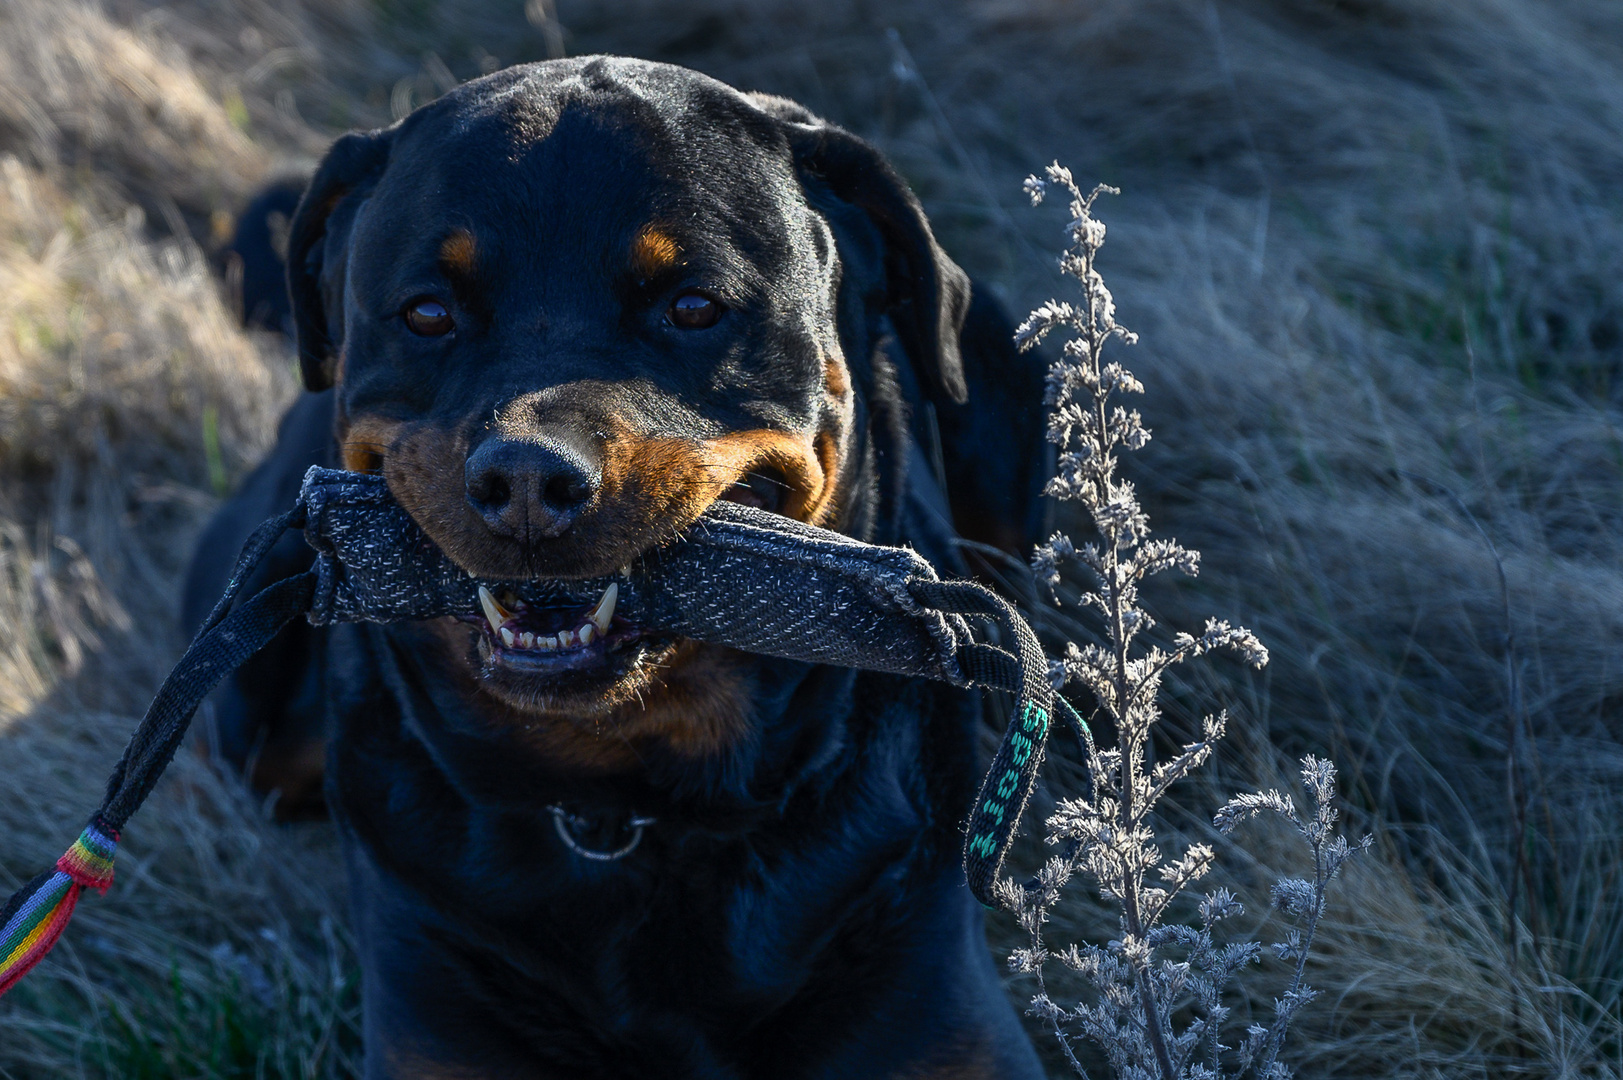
[740,577]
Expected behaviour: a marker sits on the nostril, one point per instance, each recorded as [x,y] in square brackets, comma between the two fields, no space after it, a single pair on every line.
[489,488]
[532,487]
[567,489]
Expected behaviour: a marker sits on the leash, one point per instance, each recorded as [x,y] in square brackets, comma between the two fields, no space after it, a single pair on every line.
[740,577]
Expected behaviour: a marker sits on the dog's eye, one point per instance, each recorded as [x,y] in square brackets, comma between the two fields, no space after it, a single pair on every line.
[427,317]
[694,311]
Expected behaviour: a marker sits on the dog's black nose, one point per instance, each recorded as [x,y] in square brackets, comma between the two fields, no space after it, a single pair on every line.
[532,487]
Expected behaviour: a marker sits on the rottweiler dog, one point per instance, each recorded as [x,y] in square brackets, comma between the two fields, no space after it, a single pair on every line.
[562,310]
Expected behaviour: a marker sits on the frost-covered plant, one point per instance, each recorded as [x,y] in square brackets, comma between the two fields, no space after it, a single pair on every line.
[1155,969]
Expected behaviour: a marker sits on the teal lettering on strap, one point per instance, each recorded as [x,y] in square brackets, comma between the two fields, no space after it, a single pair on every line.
[1020,748]
[1034,718]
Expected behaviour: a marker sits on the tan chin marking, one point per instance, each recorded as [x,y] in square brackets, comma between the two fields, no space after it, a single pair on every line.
[698,705]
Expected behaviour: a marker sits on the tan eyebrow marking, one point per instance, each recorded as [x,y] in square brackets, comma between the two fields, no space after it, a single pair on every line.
[653,252]
[458,253]
[834,377]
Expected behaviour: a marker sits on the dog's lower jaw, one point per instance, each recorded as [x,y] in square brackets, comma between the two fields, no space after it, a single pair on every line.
[592,695]
[691,699]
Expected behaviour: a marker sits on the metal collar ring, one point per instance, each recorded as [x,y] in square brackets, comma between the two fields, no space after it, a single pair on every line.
[566,823]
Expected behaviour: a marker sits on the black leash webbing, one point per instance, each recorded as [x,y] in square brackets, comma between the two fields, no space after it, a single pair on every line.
[254,549]
[212,656]
[1022,669]
[225,640]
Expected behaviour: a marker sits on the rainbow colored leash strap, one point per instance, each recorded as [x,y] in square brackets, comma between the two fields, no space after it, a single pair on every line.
[36,916]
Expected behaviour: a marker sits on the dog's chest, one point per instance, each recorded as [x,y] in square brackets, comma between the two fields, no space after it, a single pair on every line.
[725,929]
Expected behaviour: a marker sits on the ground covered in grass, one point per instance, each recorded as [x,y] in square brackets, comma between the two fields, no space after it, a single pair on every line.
[1372,249]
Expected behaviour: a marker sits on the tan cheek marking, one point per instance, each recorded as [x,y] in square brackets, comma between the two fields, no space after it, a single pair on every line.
[458,253]
[653,252]
[425,470]
[734,455]
[365,442]
[828,457]
[678,479]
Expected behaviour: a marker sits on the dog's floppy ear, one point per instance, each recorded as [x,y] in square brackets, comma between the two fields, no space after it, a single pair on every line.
[317,249]
[928,293]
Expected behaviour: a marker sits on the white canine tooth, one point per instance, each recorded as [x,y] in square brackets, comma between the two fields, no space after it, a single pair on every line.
[586,633]
[566,638]
[495,614]
[507,637]
[603,614]
[526,640]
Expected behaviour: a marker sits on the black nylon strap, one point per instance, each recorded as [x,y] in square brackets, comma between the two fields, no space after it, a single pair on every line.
[227,638]
[1023,670]
[254,549]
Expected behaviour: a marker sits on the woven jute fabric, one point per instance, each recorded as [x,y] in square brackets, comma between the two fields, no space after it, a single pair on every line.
[739,576]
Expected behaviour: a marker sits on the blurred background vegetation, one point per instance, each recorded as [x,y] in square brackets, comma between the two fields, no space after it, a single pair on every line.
[1373,248]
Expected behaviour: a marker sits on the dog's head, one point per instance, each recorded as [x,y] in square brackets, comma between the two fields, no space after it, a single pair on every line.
[570,305]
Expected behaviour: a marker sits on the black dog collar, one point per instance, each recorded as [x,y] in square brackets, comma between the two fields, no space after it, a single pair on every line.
[739,576]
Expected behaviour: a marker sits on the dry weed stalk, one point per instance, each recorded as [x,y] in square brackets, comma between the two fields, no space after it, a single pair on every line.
[1155,968]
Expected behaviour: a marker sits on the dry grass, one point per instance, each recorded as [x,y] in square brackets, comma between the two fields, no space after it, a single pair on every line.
[1372,248]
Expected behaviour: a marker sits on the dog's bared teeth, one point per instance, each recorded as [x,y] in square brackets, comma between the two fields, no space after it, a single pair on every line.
[507,637]
[586,633]
[495,614]
[547,643]
[603,614]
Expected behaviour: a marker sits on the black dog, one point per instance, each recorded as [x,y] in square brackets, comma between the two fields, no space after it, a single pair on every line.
[562,310]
